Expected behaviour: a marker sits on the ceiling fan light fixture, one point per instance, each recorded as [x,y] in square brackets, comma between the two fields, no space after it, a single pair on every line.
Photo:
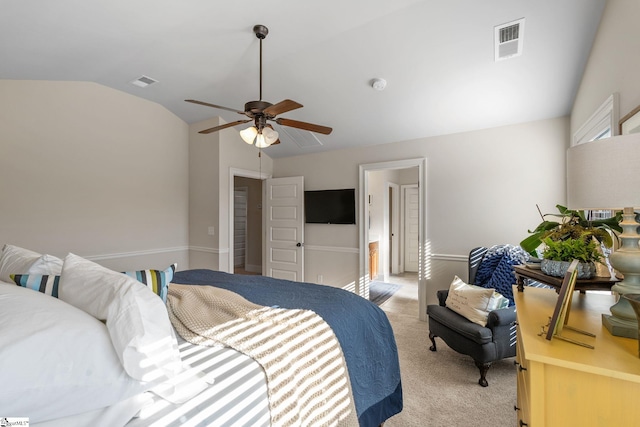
[261,141]
[249,134]
[270,135]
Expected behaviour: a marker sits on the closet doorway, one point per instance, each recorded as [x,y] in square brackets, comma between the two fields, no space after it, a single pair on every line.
[247,225]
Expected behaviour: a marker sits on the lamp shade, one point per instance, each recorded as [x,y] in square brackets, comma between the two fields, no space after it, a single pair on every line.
[249,134]
[604,174]
[270,135]
[261,141]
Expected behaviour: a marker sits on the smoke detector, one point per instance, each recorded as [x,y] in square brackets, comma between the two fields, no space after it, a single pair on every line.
[508,39]
[378,84]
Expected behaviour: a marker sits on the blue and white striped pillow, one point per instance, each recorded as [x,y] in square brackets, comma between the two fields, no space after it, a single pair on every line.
[157,280]
[47,284]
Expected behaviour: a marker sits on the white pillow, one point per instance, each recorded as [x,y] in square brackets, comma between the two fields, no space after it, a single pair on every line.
[46,265]
[55,360]
[136,318]
[17,260]
[472,302]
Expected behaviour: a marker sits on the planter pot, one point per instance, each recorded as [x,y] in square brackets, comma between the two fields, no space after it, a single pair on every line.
[586,270]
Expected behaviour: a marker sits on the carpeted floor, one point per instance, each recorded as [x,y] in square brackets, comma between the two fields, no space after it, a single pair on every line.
[441,388]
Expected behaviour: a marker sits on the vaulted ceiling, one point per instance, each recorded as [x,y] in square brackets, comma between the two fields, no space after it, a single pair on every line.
[437,57]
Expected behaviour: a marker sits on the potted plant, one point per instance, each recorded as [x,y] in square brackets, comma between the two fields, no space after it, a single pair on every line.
[573,236]
[558,254]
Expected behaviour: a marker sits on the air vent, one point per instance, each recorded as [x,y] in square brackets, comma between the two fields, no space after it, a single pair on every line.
[508,39]
[143,81]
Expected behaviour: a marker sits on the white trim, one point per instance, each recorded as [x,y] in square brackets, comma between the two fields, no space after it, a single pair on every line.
[208,250]
[364,169]
[332,249]
[606,116]
[136,253]
[233,172]
[387,229]
[450,257]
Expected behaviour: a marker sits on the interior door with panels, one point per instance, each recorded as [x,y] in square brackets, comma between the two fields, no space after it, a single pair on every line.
[284,201]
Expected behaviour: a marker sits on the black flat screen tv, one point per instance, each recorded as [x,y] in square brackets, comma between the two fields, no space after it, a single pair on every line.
[330,206]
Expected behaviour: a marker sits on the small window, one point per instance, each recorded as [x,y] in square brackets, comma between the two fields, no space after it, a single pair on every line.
[601,124]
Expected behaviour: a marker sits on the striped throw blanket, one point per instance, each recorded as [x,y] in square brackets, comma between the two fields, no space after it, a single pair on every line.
[307,377]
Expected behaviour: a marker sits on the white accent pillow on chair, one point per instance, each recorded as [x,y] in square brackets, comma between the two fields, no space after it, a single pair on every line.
[473,302]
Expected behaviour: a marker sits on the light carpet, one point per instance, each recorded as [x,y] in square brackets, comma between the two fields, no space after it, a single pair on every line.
[441,388]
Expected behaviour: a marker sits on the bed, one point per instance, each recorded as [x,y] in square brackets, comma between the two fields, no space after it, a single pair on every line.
[231,387]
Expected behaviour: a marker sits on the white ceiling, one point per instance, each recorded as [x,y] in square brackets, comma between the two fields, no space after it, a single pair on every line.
[436,55]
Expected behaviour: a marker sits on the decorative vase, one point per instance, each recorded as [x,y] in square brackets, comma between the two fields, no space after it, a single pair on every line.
[586,270]
[634,300]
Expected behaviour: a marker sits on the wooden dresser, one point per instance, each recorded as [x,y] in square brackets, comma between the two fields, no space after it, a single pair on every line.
[563,384]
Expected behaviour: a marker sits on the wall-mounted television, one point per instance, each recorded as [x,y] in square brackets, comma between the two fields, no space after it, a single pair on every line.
[330,206]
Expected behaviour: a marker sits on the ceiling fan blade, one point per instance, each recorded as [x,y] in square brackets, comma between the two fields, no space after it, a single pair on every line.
[206,104]
[282,107]
[228,125]
[306,126]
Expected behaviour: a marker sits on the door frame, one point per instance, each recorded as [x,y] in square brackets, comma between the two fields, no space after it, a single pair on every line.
[362,287]
[233,172]
[391,225]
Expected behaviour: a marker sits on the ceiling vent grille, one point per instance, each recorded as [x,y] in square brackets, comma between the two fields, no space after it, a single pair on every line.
[508,39]
[143,81]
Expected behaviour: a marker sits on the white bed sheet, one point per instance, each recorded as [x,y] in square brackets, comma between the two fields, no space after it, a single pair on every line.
[238,397]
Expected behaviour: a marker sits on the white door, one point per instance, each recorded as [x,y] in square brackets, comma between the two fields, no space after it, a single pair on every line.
[411,228]
[284,224]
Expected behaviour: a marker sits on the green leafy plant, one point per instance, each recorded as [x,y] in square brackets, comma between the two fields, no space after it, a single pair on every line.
[572,225]
[570,249]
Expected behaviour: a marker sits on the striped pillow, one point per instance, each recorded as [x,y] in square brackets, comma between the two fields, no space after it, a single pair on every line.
[47,284]
[157,280]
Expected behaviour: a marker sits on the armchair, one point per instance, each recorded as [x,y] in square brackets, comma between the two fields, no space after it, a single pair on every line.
[486,344]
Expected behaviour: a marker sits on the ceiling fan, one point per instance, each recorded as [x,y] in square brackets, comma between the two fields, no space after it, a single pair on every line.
[261,112]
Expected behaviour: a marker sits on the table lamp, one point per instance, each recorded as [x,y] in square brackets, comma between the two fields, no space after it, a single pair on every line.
[605,174]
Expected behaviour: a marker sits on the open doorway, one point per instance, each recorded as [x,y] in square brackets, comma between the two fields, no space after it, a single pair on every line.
[247,225]
[243,258]
[392,219]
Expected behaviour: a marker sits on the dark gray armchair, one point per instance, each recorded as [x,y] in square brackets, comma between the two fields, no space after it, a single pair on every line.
[484,344]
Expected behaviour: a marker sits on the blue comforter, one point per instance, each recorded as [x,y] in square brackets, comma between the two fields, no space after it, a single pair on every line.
[361,327]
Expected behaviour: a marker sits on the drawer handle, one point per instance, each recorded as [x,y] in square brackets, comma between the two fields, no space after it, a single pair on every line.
[520,367]
[522,423]
[515,408]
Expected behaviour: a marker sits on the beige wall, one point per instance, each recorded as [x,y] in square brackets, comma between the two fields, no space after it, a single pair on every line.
[212,159]
[482,189]
[204,193]
[614,63]
[94,171]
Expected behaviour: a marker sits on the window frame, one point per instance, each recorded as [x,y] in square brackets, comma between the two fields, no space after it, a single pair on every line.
[602,123]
